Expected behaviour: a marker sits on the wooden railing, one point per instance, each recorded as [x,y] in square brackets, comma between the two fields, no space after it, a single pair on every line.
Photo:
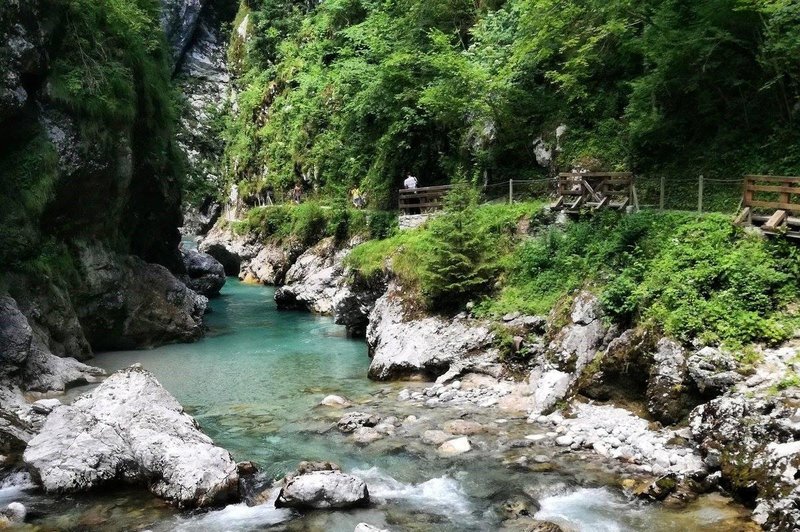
[595,190]
[424,199]
[771,200]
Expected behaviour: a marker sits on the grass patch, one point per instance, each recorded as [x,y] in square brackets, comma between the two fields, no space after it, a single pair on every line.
[312,221]
[684,275]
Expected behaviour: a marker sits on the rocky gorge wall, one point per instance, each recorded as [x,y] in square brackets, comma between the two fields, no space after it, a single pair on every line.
[206,85]
[90,189]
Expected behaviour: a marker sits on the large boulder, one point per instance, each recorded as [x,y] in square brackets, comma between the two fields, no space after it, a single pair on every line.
[547,389]
[272,263]
[571,352]
[50,313]
[204,274]
[126,303]
[355,300]
[578,343]
[315,278]
[231,250]
[712,371]
[323,490]
[131,430]
[15,430]
[45,372]
[431,346]
[26,360]
[753,439]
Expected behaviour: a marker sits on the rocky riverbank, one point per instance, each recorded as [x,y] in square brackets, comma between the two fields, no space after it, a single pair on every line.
[130,430]
[89,250]
[662,407]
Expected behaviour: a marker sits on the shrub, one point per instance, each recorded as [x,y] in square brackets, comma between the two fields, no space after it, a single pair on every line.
[452,258]
[457,267]
[381,224]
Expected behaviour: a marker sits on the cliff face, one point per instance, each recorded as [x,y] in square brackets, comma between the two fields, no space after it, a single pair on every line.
[88,147]
[91,175]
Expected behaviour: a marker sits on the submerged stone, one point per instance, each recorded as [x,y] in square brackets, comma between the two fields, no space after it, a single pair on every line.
[455,447]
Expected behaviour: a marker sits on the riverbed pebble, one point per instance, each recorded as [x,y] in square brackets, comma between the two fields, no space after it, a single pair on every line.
[435,437]
[463,427]
[564,441]
[483,393]
[366,435]
[619,434]
[455,447]
[353,420]
[335,401]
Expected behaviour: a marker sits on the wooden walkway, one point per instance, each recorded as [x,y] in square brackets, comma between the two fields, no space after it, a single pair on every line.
[771,203]
[595,190]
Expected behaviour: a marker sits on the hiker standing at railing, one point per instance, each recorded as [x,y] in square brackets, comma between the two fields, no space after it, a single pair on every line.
[410,183]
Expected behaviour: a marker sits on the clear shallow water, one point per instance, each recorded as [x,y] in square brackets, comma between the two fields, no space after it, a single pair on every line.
[254,383]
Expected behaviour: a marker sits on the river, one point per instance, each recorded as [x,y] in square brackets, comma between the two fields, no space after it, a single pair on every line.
[254,384]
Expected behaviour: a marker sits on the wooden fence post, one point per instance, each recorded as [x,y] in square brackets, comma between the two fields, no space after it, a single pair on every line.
[510,191]
[700,195]
[661,196]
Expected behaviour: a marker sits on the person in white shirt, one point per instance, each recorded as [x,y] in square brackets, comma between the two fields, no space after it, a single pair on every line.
[410,182]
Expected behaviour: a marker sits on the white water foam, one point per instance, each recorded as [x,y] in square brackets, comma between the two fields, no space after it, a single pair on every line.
[238,517]
[13,486]
[441,495]
[587,510]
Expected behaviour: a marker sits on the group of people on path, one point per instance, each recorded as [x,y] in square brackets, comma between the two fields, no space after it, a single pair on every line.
[358,198]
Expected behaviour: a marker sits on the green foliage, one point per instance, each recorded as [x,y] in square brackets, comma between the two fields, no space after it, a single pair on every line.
[381,224]
[266,221]
[309,223]
[451,259]
[458,266]
[791,380]
[30,169]
[312,221]
[688,277]
[110,65]
[360,92]
[54,262]
[107,75]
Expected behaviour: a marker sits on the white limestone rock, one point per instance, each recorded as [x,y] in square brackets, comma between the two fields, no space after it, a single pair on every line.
[130,429]
[455,447]
[323,490]
[547,389]
[430,345]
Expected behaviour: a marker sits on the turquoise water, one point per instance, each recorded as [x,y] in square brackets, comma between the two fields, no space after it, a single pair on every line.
[254,384]
[253,380]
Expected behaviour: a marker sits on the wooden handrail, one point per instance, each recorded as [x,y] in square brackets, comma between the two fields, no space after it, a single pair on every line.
[422,197]
[781,185]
